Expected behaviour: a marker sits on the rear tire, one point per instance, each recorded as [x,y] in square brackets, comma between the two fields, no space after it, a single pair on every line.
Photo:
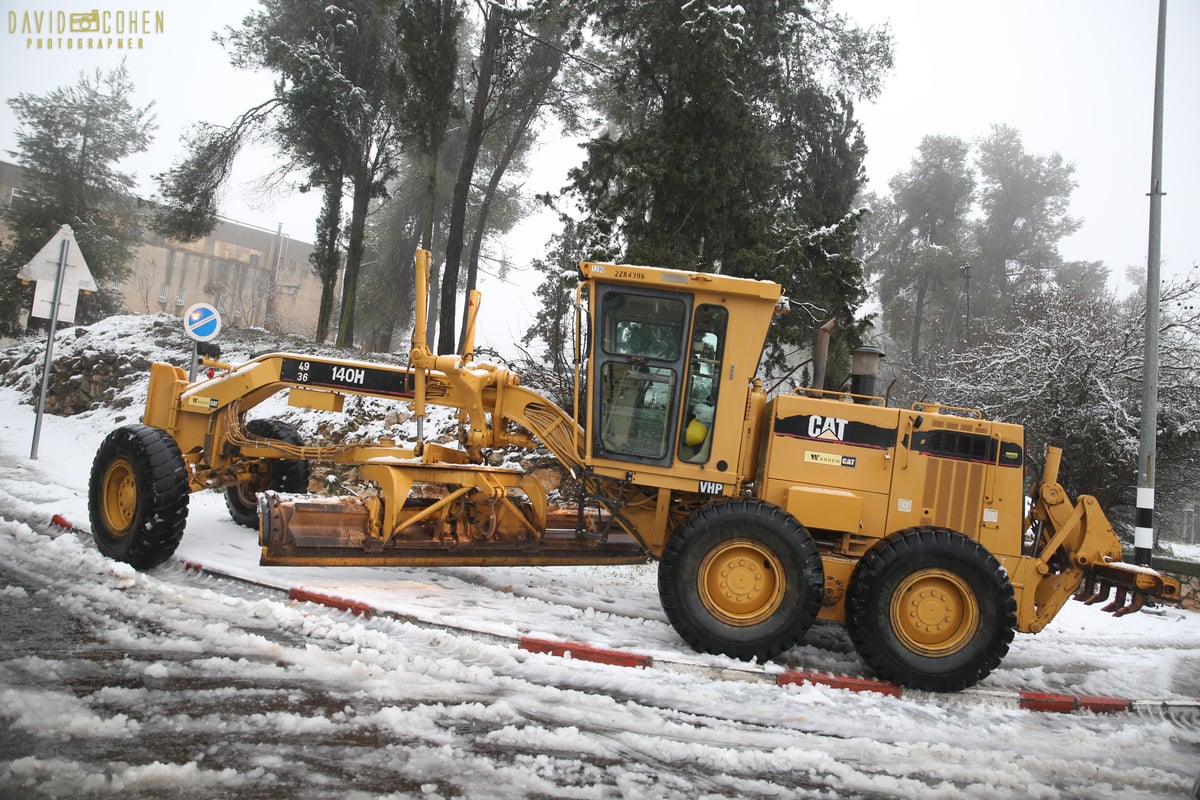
[286,474]
[930,609]
[741,578]
[138,496]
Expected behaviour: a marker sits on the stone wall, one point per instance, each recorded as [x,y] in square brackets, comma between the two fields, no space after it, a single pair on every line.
[87,374]
[1188,575]
[83,382]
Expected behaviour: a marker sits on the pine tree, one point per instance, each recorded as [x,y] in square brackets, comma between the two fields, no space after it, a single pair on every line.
[1069,368]
[527,48]
[729,149]
[70,143]
[926,249]
[1024,199]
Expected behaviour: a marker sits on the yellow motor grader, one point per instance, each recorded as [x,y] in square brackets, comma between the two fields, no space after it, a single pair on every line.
[909,526]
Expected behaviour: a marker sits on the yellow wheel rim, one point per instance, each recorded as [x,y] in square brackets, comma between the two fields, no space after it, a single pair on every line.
[934,612]
[741,582]
[119,497]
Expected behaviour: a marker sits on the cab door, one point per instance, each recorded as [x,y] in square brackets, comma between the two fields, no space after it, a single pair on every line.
[640,359]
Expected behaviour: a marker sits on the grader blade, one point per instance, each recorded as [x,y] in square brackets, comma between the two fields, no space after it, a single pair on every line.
[345,532]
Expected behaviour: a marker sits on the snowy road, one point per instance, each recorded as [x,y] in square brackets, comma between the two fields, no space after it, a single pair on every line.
[172,683]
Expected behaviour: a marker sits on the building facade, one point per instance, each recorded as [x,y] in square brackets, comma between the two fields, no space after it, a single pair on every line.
[254,277]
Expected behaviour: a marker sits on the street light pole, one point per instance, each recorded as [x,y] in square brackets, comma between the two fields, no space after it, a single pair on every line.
[1143,537]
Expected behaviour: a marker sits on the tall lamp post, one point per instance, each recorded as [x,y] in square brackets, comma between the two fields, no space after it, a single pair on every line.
[1143,536]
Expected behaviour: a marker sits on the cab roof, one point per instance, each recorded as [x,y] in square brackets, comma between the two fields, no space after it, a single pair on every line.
[657,277]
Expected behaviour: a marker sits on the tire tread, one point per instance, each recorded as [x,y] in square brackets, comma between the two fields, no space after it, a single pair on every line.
[674,586]
[163,495]
[862,613]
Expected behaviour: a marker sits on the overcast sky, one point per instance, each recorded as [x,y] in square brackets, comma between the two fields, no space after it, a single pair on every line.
[1073,76]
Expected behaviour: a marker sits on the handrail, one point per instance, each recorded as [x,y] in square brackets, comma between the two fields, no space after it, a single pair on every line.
[938,408]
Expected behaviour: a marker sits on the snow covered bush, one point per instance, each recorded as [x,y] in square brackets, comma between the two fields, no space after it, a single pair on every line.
[1068,367]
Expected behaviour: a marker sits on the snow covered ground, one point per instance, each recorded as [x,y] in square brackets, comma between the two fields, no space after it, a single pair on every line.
[171,683]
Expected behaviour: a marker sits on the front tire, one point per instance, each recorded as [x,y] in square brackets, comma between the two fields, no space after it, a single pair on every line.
[741,578]
[138,496]
[285,474]
[930,609]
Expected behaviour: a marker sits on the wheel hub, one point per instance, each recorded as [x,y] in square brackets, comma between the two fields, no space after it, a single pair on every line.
[120,497]
[934,612]
[741,582]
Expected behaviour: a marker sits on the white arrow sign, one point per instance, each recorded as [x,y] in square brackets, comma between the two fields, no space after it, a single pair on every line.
[44,266]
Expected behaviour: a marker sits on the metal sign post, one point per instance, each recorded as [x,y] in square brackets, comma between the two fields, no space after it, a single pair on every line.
[41,406]
[60,272]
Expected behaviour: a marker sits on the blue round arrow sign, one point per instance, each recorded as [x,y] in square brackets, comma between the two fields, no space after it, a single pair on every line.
[202,322]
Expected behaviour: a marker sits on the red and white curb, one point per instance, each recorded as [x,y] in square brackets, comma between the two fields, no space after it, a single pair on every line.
[1018,698]
[1022,699]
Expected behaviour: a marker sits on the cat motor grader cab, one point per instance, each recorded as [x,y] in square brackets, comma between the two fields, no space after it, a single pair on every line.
[909,526]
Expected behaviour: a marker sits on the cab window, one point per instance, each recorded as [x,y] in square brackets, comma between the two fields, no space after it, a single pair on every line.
[649,327]
[639,367]
[703,382]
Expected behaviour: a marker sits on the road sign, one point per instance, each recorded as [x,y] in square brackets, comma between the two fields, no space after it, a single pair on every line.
[202,322]
[61,273]
[44,266]
[43,301]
